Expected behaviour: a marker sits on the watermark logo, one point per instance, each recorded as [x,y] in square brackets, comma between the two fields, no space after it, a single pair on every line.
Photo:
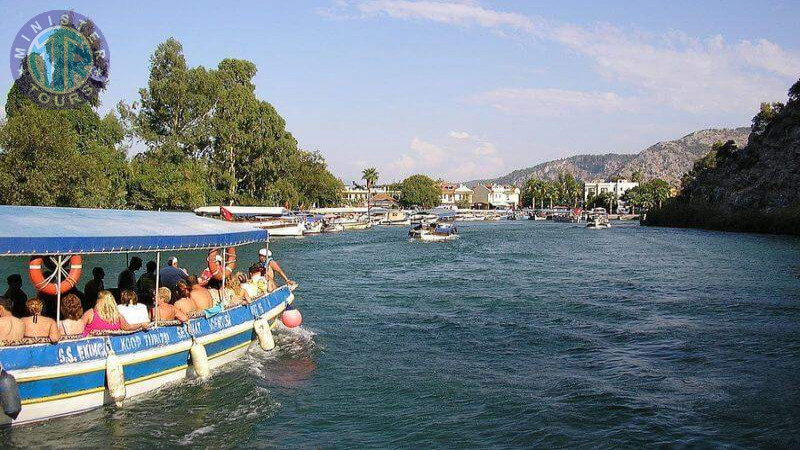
[60,59]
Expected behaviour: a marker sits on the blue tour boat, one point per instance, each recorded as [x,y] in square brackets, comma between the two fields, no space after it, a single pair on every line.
[76,375]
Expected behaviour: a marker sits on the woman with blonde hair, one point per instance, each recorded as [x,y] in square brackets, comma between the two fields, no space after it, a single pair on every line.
[71,311]
[237,293]
[37,325]
[106,317]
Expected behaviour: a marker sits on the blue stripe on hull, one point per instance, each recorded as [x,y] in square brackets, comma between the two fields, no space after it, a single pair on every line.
[229,342]
[62,385]
[146,368]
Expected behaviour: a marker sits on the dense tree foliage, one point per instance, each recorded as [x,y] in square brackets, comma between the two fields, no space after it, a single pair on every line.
[564,191]
[60,157]
[190,117]
[419,190]
[647,195]
[208,140]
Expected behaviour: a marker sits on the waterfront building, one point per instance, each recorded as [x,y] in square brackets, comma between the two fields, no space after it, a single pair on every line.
[383,200]
[357,195]
[453,195]
[495,196]
[598,187]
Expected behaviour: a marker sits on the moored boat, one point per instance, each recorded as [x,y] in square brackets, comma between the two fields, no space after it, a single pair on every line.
[81,373]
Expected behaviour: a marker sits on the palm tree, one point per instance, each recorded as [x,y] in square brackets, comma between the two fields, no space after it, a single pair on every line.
[370,175]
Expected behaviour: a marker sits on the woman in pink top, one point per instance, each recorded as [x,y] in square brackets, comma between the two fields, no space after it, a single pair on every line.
[106,317]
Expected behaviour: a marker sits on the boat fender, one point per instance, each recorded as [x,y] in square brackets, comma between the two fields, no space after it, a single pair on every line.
[264,333]
[9,394]
[291,317]
[115,378]
[199,359]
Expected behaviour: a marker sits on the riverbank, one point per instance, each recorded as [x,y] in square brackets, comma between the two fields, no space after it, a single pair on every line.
[678,213]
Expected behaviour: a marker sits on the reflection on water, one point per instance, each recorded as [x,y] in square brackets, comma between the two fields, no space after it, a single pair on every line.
[518,334]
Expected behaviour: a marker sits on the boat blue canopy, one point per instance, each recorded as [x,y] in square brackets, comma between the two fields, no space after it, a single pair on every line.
[33,230]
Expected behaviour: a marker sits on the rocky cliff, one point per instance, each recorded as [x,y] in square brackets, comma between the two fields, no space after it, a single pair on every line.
[667,160]
[753,188]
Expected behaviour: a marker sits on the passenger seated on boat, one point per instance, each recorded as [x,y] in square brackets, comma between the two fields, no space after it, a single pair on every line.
[202,298]
[72,313]
[257,286]
[236,293]
[93,287]
[166,311]
[37,325]
[127,278]
[16,295]
[146,285]
[171,274]
[244,288]
[11,328]
[105,316]
[183,298]
[130,308]
[206,275]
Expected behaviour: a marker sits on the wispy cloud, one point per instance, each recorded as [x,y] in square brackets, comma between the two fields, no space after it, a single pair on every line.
[685,73]
[460,135]
[554,102]
[467,158]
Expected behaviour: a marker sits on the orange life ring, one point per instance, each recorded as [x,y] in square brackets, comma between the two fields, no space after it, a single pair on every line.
[230,262]
[47,285]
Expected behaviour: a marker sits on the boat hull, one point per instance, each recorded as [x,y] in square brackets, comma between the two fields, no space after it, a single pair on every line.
[69,377]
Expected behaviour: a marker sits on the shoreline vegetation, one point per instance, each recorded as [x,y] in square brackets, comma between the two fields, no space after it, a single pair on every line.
[202,137]
[750,189]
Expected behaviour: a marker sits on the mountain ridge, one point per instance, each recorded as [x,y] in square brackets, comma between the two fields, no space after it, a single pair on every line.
[668,160]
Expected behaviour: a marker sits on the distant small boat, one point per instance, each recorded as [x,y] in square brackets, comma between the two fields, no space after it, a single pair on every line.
[533,216]
[434,232]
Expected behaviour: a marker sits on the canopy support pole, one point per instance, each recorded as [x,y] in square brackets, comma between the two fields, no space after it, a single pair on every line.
[157,315]
[59,262]
[224,273]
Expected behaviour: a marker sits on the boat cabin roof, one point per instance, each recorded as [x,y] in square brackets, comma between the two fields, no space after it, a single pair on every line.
[34,230]
[244,211]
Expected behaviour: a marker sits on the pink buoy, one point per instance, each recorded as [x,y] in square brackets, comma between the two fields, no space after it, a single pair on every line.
[291,318]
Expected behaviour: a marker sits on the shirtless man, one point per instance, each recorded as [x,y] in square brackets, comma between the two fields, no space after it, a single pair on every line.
[185,304]
[200,295]
[11,328]
[165,310]
[37,325]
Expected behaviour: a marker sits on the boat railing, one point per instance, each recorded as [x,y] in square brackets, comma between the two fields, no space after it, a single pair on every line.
[101,333]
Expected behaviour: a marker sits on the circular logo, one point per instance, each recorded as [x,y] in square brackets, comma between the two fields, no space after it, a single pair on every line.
[60,59]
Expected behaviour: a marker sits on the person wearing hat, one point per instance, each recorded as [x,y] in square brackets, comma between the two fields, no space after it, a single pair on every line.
[206,275]
[270,266]
[171,274]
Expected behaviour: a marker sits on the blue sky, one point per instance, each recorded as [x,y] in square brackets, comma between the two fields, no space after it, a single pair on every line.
[467,89]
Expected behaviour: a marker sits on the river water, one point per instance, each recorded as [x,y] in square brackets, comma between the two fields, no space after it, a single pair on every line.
[518,334]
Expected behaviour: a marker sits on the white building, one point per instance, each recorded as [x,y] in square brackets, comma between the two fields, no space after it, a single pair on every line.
[496,196]
[357,195]
[597,187]
[453,195]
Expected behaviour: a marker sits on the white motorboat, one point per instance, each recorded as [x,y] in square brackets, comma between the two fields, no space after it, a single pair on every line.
[434,232]
[598,219]
[423,218]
